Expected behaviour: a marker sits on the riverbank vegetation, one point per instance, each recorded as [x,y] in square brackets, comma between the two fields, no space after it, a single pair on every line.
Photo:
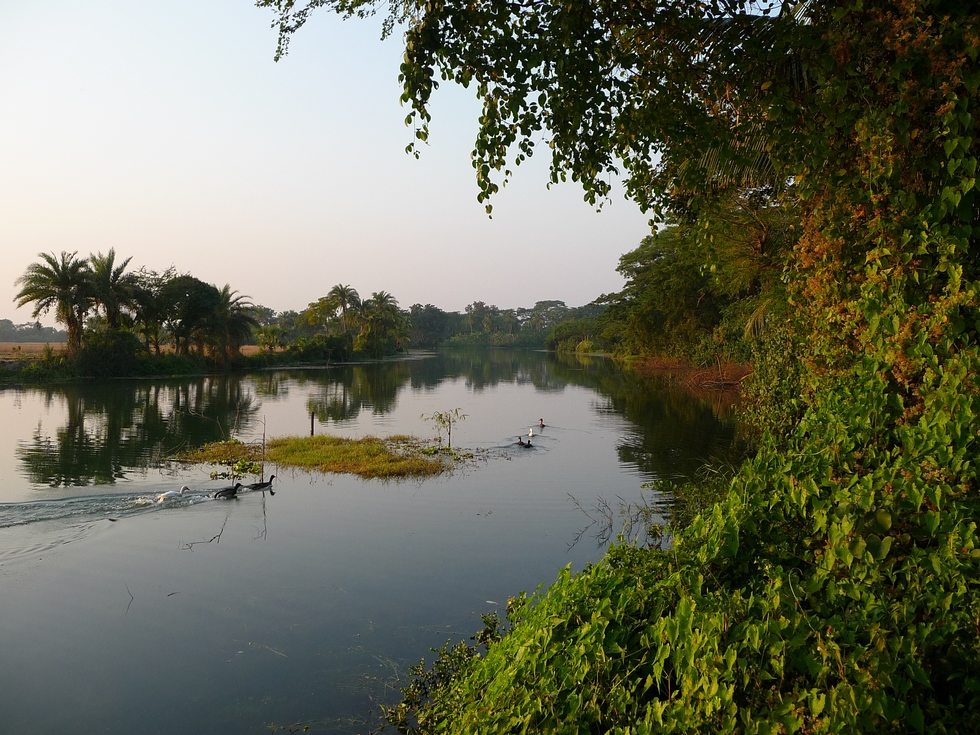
[836,585]
[140,323]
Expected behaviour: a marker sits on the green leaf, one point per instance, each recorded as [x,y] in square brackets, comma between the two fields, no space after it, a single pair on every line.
[916,718]
[883,520]
[857,547]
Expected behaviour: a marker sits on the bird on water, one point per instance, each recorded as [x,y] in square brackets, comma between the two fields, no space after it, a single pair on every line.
[264,485]
[172,494]
[227,492]
[541,423]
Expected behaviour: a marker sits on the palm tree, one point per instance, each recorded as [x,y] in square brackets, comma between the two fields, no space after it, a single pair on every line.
[345,297]
[232,322]
[382,323]
[63,284]
[112,289]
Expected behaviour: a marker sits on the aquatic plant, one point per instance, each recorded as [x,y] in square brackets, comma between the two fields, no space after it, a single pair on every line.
[444,421]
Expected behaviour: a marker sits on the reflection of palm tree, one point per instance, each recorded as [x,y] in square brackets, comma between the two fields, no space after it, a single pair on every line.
[111,429]
[346,298]
[344,392]
[63,284]
[112,290]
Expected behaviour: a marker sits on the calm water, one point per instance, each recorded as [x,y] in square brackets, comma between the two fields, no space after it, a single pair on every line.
[121,615]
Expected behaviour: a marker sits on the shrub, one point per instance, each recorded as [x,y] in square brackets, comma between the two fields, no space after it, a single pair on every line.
[110,354]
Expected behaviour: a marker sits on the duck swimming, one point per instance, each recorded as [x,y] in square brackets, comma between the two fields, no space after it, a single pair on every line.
[520,441]
[227,492]
[541,423]
[172,494]
[264,485]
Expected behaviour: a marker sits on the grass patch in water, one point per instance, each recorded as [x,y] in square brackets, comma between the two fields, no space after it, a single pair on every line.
[395,457]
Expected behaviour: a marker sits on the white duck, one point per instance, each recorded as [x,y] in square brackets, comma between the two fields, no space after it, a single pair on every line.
[172,494]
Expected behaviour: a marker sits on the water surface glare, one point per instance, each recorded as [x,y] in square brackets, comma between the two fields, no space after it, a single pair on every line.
[120,614]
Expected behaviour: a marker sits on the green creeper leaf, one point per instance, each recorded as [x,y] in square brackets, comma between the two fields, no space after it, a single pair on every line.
[883,520]
[916,718]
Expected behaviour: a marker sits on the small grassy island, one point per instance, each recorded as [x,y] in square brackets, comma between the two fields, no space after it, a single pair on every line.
[394,457]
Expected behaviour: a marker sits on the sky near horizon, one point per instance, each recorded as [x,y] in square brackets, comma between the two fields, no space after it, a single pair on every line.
[165,130]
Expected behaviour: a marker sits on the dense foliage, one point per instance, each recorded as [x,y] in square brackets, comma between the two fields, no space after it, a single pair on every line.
[378,327]
[835,588]
[704,288]
[103,308]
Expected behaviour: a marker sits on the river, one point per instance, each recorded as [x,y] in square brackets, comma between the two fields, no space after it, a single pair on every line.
[122,615]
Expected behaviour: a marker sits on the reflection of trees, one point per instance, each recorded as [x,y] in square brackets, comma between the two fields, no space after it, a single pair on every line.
[343,392]
[113,429]
[486,368]
[674,431]
[272,383]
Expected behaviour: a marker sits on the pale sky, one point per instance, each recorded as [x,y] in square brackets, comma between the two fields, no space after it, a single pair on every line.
[165,130]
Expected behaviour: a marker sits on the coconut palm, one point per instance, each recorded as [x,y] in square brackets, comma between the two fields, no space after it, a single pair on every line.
[382,323]
[346,298]
[62,283]
[112,289]
[232,323]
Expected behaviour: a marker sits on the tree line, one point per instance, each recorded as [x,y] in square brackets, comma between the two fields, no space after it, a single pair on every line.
[30,332]
[96,298]
[683,299]
[375,326]
[110,309]
[695,298]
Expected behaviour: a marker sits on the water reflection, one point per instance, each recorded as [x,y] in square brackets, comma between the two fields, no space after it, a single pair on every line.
[114,428]
[117,427]
[341,394]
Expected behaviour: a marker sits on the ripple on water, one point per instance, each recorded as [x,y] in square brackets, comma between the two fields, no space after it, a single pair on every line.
[66,520]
